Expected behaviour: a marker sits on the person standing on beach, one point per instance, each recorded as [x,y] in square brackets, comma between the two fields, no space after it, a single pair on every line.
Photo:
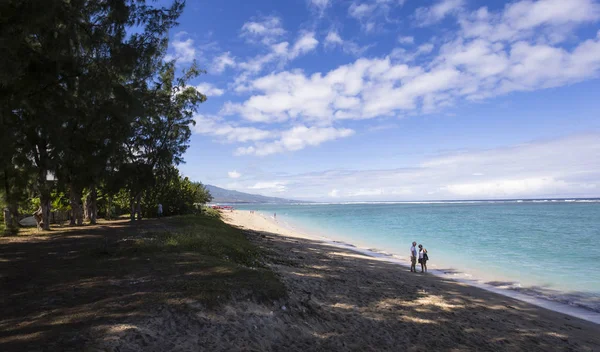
[413,257]
[423,257]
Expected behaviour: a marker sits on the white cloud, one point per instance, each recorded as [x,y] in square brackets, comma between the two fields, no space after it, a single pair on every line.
[305,43]
[373,14]
[333,39]
[184,51]
[365,192]
[234,174]
[296,138]
[529,14]
[552,20]
[464,68]
[429,15]
[227,131]
[406,40]
[504,188]
[209,90]
[564,167]
[270,186]
[360,11]
[266,30]
[280,53]
[490,54]
[221,62]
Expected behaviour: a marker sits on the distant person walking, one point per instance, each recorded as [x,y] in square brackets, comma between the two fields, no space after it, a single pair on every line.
[423,258]
[413,257]
[160,210]
[275,216]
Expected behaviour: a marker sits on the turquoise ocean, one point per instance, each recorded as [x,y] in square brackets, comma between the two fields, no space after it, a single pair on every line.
[548,249]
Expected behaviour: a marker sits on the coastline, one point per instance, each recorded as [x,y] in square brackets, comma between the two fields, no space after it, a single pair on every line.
[261,223]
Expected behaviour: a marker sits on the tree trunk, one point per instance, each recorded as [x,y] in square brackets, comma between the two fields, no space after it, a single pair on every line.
[109,213]
[11,213]
[75,198]
[86,208]
[91,210]
[132,206]
[45,203]
[7,219]
[138,206]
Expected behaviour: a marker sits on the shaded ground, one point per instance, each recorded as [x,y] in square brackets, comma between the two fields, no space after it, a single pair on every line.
[57,296]
[76,287]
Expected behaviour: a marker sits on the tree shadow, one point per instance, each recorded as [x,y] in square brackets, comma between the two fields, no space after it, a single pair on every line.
[75,291]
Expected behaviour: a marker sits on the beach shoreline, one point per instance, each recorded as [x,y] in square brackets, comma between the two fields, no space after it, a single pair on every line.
[262,223]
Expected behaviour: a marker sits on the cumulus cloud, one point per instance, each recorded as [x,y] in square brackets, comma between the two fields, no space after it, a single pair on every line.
[280,53]
[479,62]
[525,19]
[182,50]
[296,138]
[266,30]
[234,174]
[406,39]
[429,15]
[373,14]
[209,90]
[305,43]
[564,167]
[491,53]
[221,62]
[228,132]
[333,39]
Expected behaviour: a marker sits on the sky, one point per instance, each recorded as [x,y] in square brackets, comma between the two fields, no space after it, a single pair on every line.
[391,100]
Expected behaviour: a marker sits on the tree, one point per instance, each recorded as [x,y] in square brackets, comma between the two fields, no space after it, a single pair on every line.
[70,68]
[177,194]
[162,133]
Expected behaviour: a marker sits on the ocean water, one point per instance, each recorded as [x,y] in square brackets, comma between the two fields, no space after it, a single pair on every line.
[547,249]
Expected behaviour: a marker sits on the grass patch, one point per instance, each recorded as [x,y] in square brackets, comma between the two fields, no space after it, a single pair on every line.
[214,261]
[208,211]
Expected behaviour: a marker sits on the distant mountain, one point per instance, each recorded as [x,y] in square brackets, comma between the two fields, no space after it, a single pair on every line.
[222,195]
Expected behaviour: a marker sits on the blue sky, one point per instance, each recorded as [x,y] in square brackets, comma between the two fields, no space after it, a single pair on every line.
[336,100]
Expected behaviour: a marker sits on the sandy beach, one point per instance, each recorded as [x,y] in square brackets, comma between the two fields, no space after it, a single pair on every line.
[352,301]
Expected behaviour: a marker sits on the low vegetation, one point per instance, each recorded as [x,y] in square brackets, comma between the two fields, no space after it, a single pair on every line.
[227,264]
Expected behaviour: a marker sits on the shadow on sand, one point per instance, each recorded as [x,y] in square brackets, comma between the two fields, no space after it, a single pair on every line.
[62,292]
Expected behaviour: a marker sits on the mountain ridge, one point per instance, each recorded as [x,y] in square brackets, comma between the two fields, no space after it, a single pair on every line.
[222,195]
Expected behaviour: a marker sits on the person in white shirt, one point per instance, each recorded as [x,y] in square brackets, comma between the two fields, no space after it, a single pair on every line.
[160,212]
[423,257]
[413,257]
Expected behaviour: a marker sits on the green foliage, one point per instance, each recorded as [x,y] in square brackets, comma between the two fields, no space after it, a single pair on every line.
[178,195]
[208,211]
[86,96]
[60,202]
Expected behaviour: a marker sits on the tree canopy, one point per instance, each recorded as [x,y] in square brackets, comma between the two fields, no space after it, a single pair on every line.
[90,108]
